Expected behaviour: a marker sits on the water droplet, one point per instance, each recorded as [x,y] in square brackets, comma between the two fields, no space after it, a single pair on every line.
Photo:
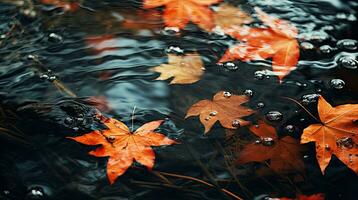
[111,138]
[207,118]
[267,141]
[260,105]
[309,98]
[227,94]
[236,123]
[213,113]
[35,193]
[171,31]
[326,146]
[54,37]
[346,142]
[307,46]
[175,50]
[68,120]
[31,57]
[348,62]
[350,156]
[347,44]
[274,116]
[230,66]
[337,84]
[259,75]
[52,78]
[326,49]
[249,93]
[44,76]
[290,129]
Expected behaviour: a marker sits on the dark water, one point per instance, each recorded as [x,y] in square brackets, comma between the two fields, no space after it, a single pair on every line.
[50,64]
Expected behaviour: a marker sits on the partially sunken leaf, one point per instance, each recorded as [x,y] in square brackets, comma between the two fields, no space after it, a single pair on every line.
[178,13]
[64,4]
[283,154]
[277,41]
[225,108]
[123,147]
[184,69]
[336,134]
[230,17]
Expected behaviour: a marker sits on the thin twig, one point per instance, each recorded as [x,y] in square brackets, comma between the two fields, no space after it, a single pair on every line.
[202,182]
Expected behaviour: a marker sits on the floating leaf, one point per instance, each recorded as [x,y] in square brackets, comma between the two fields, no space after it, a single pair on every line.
[225,108]
[123,147]
[335,135]
[184,69]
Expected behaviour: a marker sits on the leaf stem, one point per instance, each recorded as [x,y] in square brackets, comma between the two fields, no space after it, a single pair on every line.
[298,103]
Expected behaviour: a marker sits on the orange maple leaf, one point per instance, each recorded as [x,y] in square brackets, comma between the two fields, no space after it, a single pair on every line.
[66,5]
[284,153]
[178,13]
[277,41]
[225,108]
[123,147]
[337,134]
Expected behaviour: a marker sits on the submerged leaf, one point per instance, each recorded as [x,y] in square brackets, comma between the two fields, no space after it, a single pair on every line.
[284,154]
[229,17]
[178,13]
[277,41]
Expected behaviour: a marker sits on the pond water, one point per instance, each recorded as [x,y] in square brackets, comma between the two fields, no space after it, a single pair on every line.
[58,63]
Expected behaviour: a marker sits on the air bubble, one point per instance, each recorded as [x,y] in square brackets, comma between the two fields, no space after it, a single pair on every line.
[44,76]
[337,84]
[68,120]
[326,49]
[309,98]
[175,50]
[111,138]
[260,105]
[213,113]
[348,44]
[307,46]
[227,94]
[267,141]
[249,93]
[259,75]
[346,142]
[290,129]
[35,193]
[274,116]
[236,123]
[54,37]
[348,62]
[230,66]
[171,31]
[207,118]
